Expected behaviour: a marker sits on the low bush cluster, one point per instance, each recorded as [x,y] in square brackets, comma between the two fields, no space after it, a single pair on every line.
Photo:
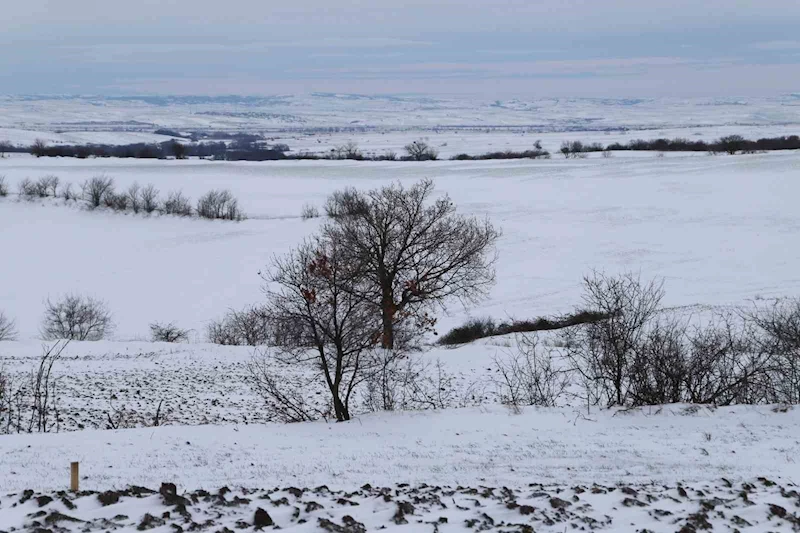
[479,328]
[100,191]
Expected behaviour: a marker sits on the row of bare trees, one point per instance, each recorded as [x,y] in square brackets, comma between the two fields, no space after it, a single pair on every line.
[370,282]
[644,355]
[100,191]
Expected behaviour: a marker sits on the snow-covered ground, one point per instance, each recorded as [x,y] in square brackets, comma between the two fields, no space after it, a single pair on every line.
[721,230]
[474,446]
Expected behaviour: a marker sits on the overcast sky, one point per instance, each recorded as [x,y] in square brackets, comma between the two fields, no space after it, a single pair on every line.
[477,47]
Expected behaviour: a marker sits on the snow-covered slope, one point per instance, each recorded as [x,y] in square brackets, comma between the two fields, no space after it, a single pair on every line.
[719,229]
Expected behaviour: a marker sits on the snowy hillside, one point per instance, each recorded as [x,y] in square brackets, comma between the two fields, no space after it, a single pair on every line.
[721,230]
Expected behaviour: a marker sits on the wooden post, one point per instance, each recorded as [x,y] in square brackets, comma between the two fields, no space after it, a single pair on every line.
[73,477]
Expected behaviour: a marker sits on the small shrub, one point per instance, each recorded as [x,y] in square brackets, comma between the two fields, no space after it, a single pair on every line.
[3,187]
[8,329]
[309,211]
[249,327]
[168,333]
[177,204]
[68,194]
[219,205]
[134,197]
[96,189]
[27,188]
[76,318]
[48,186]
[149,196]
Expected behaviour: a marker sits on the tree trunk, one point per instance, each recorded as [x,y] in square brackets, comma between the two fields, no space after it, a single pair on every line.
[387,315]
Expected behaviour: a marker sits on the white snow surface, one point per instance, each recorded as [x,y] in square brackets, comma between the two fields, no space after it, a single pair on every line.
[476,446]
[720,230]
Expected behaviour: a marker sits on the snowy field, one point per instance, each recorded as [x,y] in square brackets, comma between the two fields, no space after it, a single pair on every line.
[660,467]
[720,230]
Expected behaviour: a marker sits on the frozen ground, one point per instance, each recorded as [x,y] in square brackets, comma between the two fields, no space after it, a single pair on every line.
[721,506]
[721,230]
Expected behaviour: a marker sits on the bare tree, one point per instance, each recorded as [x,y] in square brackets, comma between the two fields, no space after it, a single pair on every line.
[411,255]
[97,188]
[8,329]
[178,150]
[333,327]
[3,187]
[732,143]
[169,332]
[76,318]
[420,150]
[39,148]
[603,352]
[149,197]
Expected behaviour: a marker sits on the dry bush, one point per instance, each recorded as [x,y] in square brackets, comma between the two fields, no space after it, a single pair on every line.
[602,352]
[248,327]
[8,329]
[121,417]
[531,375]
[96,189]
[76,317]
[48,186]
[219,205]
[68,194]
[177,204]
[134,196]
[348,150]
[778,333]
[288,396]
[309,211]
[3,187]
[149,196]
[29,404]
[117,202]
[27,188]
[169,332]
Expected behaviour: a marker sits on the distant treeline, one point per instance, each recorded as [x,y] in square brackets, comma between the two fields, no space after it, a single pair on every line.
[731,144]
[247,147]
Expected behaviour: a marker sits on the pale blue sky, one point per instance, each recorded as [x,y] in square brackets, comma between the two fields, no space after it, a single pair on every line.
[478,47]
